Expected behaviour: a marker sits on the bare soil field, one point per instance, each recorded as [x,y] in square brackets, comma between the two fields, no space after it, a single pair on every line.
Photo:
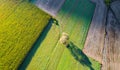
[103,40]
[50,6]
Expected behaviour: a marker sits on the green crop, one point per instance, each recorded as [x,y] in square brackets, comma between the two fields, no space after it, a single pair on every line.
[20,25]
[73,18]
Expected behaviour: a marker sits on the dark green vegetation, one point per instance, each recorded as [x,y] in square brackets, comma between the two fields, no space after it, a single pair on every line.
[20,25]
[107,2]
[48,54]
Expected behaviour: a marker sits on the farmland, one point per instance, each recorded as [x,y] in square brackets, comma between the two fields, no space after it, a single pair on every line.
[20,25]
[49,6]
[48,53]
[103,40]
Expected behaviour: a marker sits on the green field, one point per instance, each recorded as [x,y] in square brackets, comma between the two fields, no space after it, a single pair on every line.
[20,25]
[48,54]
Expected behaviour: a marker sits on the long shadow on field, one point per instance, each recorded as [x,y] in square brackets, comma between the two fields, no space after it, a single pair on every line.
[79,55]
[36,45]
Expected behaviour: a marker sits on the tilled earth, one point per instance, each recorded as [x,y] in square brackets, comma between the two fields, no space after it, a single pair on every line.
[103,40]
[50,6]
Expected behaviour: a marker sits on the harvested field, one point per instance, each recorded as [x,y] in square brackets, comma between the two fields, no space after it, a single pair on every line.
[111,51]
[95,40]
[103,38]
[50,6]
[115,6]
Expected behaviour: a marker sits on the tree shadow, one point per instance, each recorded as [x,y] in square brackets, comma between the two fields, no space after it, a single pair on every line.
[55,22]
[79,55]
[36,45]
